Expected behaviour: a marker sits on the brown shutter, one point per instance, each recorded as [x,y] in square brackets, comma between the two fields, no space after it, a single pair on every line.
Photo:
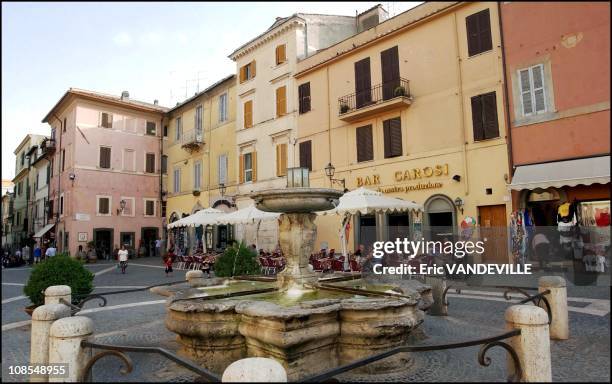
[242,74]
[365,149]
[105,157]
[363,82]
[254,165]
[278,158]
[280,54]
[252,69]
[390,72]
[489,105]
[396,136]
[241,169]
[248,114]
[477,119]
[387,137]
[281,101]
[471,26]
[484,30]
[306,154]
[283,159]
[304,97]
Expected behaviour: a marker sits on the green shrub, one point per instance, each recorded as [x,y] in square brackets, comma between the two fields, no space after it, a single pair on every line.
[58,270]
[244,258]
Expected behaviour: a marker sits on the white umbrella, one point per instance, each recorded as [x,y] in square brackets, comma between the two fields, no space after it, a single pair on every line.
[248,215]
[366,201]
[206,216]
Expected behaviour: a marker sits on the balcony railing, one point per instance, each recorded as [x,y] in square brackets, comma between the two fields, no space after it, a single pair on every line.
[47,146]
[384,93]
[192,140]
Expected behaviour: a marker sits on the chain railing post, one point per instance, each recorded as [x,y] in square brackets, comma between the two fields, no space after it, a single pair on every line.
[557,299]
[54,293]
[255,369]
[42,319]
[532,346]
[65,346]
[438,288]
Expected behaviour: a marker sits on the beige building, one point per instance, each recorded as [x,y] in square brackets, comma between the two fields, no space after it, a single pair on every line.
[266,102]
[199,166]
[412,107]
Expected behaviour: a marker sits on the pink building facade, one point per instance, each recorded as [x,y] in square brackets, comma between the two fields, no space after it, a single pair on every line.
[105,184]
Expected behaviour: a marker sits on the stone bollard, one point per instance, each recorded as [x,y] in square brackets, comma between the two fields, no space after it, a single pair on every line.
[533,345]
[557,298]
[56,292]
[195,278]
[65,346]
[42,319]
[255,369]
[438,285]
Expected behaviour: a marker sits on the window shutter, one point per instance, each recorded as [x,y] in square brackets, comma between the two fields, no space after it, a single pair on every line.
[248,114]
[281,104]
[281,159]
[390,72]
[471,24]
[392,132]
[278,159]
[484,30]
[538,88]
[365,150]
[252,69]
[104,205]
[306,154]
[491,128]
[387,137]
[363,82]
[526,91]
[254,165]
[241,168]
[304,96]
[105,157]
[150,166]
[223,169]
[477,118]
[242,74]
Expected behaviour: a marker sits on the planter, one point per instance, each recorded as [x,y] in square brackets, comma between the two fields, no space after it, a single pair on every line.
[30,309]
[399,91]
[344,108]
[196,193]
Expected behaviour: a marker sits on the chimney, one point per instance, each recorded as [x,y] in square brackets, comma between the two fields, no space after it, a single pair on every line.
[125,95]
[371,18]
[155,102]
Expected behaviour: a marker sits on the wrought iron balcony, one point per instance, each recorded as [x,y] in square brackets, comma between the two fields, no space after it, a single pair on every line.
[47,146]
[379,98]
[192,140]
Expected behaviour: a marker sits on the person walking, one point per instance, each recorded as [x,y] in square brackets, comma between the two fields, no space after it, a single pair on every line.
[51,251]
[37,254]
[158,247]
[80,255]
[25,253]
[123,258]
[168,264]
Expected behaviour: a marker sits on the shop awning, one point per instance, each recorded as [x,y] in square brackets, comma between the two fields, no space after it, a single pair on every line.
[42,232]
[562,173]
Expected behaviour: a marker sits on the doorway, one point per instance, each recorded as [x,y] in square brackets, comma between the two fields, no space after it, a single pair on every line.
[366,232]
[492,220]
[440,218]
[149,235]
[103,241]
[399,226]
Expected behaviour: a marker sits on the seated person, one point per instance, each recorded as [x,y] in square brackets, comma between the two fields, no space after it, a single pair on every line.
[332,253]
[206,267]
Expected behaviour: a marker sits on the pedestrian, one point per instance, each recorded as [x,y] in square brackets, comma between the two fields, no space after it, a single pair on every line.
[80,255]
[541,249]
[123,258]
[206,267]
[37,254]
[25,253]
[158,247]
[168,264]
[51,251]
[18,256]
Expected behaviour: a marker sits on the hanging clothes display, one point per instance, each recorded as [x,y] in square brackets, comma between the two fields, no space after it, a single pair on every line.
[517,235]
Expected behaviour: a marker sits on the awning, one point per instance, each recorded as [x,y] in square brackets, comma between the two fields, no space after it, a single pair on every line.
[562,173]
[42,232]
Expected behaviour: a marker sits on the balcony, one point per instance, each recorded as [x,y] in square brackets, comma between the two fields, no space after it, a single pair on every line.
[380,98]
[47,146]
[192,140]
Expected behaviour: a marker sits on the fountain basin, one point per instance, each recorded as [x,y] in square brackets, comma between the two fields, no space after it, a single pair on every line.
[296,200]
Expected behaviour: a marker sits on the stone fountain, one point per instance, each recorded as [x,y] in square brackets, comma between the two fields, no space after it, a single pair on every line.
[305,325]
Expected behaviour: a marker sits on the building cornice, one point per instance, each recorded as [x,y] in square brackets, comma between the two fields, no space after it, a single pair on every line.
[287,25]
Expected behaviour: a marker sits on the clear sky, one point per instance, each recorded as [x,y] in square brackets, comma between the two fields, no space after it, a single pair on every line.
[153,50]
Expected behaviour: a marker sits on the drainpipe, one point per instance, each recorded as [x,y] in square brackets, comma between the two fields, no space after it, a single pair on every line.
[161,173]
[506,97]
[463,138]
[59,179]
[329,109]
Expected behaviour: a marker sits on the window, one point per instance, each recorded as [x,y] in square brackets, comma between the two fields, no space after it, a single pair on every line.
[197,175]
[248,114]
[281,54]
[222,169]
[484,116]
[63,159]
[164,164]
[392,131]
[165,131]
[19,188]
[247,72]
[50,208]
[281,101]
[363,83]
[247,164]
[304,97]
[22,159]
[478,28]
[107,120]
[150,163]
[151,128]
[129,160]
[306,154]
[365,147]
[223,107]
[64,126]
[62,205]
[389,61]
[177,180]
[533,98]
[281,159]
[179,129]
[129,208]
[198,120]
[163,209]
[149,207]
[105,157]
[36,181]
[48,174]
[103,206]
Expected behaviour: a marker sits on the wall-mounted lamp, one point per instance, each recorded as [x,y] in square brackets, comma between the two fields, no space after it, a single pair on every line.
[329,172]
[459,204]
[457,178]
[122,204]
[72,176]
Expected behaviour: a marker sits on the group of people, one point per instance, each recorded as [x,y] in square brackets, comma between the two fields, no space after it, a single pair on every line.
[27,255]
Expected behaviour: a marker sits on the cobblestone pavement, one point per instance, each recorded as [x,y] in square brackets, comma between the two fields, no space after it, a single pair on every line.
[585,357]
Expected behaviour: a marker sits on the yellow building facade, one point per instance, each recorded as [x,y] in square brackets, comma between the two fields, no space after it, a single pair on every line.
[199,154]
[412,107]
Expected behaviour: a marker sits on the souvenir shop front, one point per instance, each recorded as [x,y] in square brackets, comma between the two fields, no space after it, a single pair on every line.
[566,205]
[198,233]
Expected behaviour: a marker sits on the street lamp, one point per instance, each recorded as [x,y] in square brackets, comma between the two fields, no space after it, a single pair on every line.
[329,171]
[459,204]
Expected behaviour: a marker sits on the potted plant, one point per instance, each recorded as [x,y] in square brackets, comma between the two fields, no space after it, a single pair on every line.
[58,270]
[399,91]
[344,108]
[196,192]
